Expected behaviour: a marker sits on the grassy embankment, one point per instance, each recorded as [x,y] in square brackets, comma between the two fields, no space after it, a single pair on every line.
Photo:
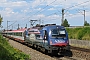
[9,53]
[79,33]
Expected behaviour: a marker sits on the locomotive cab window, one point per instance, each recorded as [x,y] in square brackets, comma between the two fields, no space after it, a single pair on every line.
[58,33]
[38,36]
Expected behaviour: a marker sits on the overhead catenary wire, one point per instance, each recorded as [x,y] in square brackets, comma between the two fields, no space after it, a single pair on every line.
[72,7]
[79,12]
[57,10]
[43,8]
[12,23]
[76,5]
[27,18]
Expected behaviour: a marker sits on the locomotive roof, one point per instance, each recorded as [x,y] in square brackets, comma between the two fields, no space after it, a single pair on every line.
[46,26]
[55,25]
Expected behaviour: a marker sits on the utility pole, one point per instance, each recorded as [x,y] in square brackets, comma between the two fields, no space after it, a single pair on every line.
[39,21]
[7,25]
[12,27]
[84,16]
[62,16]
[26,26]
[18,26]
[42,22]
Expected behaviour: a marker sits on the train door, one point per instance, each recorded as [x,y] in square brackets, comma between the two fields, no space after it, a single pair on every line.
[45,37]
[26,36]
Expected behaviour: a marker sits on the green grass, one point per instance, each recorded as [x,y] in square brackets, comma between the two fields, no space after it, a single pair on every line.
[9,53]
[79,33]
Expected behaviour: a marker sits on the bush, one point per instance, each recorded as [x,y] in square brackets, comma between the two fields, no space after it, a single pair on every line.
[9,53]
[72,32]
[79,33]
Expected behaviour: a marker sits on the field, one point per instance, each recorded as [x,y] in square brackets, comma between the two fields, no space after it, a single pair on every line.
[79,33]
[9,53]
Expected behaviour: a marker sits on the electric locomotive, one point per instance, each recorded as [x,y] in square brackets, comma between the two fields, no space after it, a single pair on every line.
[51,39]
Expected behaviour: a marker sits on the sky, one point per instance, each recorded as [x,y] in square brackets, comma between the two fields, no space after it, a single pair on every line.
[20,12]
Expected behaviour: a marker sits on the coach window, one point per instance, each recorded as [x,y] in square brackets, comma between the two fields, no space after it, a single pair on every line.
[14,33]
[17,34]
[21,34]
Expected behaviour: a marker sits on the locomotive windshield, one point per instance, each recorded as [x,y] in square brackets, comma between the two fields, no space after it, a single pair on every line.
[58,33]
[38,36]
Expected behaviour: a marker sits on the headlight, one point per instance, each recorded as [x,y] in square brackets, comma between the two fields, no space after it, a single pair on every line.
[50,41]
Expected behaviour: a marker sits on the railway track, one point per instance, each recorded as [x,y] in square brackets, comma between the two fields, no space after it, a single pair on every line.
[68,58]
[78,54]
[81,52]
[80,49]
[37,55]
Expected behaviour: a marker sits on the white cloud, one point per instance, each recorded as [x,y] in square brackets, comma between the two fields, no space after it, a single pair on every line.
[41,15]
[7,12]
[51,9]
[54,16]
[19,4]
[13,4]
[2,1]
[9,6]
[16,10]
[36,3]
[39,9]
[87,13]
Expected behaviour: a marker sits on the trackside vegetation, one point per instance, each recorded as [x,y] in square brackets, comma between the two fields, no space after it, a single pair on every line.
[7,52]
[79,33]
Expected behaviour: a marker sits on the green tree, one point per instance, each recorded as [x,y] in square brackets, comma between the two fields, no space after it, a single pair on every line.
[65,23]
[1,20]
[86,23]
